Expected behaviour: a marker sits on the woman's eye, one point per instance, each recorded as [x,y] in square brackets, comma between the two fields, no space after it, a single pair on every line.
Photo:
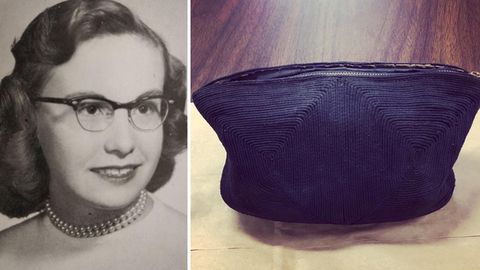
[92,108]
[147,108]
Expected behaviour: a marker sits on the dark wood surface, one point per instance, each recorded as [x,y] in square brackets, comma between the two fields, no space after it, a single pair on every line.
[234,35]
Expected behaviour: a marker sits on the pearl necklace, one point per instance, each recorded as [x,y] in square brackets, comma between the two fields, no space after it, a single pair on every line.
[99,229]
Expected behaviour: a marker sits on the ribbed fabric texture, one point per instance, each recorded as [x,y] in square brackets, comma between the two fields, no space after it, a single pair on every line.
[340,149]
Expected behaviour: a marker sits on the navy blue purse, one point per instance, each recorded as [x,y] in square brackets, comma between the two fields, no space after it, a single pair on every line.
[340,143]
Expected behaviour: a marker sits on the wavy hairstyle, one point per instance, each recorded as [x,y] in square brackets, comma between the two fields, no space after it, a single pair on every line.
[50,40]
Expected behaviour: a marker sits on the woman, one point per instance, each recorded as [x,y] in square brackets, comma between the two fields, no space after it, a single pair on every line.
[91,120]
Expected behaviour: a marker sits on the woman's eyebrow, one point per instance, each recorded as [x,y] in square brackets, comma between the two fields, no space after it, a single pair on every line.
[152,92]
[83,94]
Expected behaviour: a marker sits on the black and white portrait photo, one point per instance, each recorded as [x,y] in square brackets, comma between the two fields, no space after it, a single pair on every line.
[93,134]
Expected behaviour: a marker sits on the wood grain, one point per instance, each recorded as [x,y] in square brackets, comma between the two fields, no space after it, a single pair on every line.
[234,35]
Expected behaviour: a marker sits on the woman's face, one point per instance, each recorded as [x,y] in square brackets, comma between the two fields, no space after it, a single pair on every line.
[104,169]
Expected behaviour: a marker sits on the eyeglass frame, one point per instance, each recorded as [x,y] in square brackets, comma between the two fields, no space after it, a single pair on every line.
[75,101]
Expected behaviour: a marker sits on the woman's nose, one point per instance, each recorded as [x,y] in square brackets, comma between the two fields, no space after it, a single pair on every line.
[120,140]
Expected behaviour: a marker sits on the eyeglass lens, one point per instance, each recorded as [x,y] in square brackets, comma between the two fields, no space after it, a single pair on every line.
[97,115]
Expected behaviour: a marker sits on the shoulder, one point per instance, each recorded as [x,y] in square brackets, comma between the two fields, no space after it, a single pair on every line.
[172,221]
[171,227]
[176,217]
[18,240]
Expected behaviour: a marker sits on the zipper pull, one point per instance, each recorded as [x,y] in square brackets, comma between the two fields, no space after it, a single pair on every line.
[475,73]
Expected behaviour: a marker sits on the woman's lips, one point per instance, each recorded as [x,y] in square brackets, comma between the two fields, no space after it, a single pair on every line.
[116,174]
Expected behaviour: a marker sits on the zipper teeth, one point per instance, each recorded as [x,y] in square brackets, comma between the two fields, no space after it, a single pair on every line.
[361,73]
[421,67]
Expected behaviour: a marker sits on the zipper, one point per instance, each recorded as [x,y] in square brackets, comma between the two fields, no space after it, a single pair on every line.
[396,69]
[369,74]
[475,73]
[302,71]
